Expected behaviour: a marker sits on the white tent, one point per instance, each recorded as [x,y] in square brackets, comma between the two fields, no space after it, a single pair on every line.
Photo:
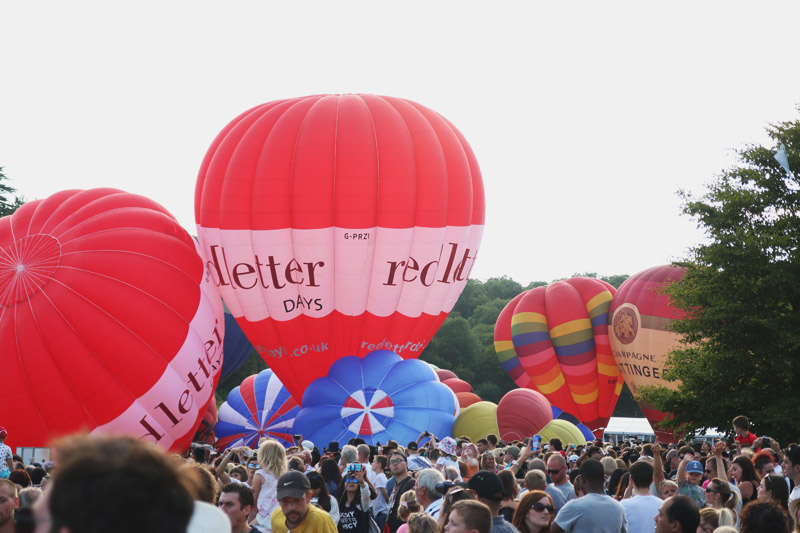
[622,428]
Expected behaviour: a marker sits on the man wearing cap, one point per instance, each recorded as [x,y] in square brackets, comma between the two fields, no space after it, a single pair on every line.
[295,514]
[489,490]
[791,469]
[595,512]
[6,455]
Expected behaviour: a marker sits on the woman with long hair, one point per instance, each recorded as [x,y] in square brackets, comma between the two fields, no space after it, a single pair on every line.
[330,473]
[773,487]
[321,497]
[534,513]
[488,462]
[719,496]
[510,489]
[711,519]
[272,463]
[354,503]
[743,471]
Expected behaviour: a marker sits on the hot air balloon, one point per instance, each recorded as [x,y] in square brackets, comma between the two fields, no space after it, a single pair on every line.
[238,347]
[639,337]
[566,432]
[558,414]
[522,413]
[445,374]
[378,398]
[336,225]
[477,421]
[259,407]
[107,324]
[458,385]
[465,399]
[205,431]
[554,339]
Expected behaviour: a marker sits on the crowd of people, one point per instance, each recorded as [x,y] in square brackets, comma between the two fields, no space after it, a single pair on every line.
[447,485]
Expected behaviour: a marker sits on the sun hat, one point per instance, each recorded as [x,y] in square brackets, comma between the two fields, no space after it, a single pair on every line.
[447,445]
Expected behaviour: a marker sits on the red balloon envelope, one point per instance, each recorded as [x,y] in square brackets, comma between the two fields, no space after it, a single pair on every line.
[445,374]
[458,385]
[522,413]
[106,323]
[465,399]
[336,225]
[554,339]
[639,336]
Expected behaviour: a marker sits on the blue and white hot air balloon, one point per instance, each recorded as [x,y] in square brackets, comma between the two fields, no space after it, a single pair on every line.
[238,347]
[378,398]
[259,407]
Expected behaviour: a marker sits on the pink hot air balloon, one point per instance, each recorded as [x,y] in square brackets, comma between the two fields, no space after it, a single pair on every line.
[335,225]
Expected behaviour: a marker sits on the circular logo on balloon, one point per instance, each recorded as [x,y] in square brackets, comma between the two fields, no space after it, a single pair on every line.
[367,411]
[625,325]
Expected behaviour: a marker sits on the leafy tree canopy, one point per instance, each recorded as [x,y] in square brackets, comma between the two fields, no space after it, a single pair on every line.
[741,292]
[9,201]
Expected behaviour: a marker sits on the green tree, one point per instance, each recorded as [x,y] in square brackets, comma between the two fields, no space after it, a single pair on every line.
[742,299]
[9,201]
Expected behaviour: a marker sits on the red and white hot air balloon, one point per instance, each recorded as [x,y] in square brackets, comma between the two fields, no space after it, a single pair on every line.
[107,322]
[336,225]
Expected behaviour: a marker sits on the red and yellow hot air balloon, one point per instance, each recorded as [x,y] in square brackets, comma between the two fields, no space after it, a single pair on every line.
[336,225]
[639,337]
[554,339]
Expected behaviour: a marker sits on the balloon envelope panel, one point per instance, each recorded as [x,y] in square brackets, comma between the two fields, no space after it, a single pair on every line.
[563,430]
[554,339]
[522,413]
[477,421]
[259,407]
[336,225]
[238,347]
[107,324]
[378,398]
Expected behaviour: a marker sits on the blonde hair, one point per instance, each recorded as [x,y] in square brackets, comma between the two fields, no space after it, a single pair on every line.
[422,523]
[272,457]
[666,483]
[408,505]
[609,465]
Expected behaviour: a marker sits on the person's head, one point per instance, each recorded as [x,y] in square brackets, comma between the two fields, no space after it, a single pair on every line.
[380,463]
[711,519]
[3,434]
[719,494]
[609,465]
[510,487]
[741,425]
[236,501]
[763,463]
[20,477]
[556,445]
[773,487]
[239,473]
[455,494]
[483,445]
[487,461]
[9,501]
[594,452]
[791,463]
[425,486]
[408,505]
[557,469]
[272,457]
[317,484]
[363,453]
[294,494]
[641,474]
[120,483]
[349,454]
[296,463]
[677,514]
[535,480]
[667,489]
[28,496]
[491,438]
[469,516]
[488,488]
[536,508]
[694,472]
[412,447]
[203,481]
[512,452]
[420,522]
[398,464]
[764,517]
[742,469]
[593,476]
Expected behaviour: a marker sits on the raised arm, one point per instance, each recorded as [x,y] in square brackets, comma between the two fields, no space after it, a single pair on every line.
[658,464]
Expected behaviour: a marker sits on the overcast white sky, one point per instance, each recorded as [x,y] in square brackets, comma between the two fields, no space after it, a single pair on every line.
[586,117]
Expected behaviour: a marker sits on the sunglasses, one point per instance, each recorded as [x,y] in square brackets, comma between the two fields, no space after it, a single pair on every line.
[708,471]
[551,472]
[710,490]
[539,507]
[350,480]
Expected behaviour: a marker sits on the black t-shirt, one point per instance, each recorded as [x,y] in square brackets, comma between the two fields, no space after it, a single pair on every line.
[394,502]
[351,518]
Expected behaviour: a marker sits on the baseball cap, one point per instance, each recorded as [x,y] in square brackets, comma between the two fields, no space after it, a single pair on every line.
[3,432]
[308,445]
[487,486]
[573,458]
[412,446]
[293,484]
[694,467]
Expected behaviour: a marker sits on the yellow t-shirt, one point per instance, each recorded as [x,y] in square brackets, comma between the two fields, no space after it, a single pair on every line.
[316,521]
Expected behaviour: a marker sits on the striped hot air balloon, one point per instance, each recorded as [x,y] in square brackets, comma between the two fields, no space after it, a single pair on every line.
[554,339]
[259,407]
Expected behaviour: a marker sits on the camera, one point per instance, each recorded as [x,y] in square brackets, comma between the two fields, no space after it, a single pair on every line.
[443,486]
[354,467]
